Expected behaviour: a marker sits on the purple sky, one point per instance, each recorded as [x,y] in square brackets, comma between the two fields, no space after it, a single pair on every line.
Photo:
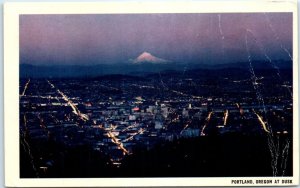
[94,39]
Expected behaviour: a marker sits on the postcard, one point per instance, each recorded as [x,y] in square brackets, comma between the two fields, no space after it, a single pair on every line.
[151,94]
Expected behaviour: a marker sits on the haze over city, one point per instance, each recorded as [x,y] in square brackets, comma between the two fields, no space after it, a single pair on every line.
[190,38]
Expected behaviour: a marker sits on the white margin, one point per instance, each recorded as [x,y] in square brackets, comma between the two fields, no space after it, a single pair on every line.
[11,83]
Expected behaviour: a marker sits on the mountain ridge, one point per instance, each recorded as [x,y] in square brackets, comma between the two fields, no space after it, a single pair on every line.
[29,70]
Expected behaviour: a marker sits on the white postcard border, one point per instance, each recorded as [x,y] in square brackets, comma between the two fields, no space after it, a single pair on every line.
[11,84]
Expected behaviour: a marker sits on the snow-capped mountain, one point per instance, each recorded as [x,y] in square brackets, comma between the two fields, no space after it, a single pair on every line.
[149,58]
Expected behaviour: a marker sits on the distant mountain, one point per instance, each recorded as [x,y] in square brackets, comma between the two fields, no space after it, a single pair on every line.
[146,57]
[143,65]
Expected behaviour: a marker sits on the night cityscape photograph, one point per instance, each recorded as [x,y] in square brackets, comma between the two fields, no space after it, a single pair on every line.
[156,95]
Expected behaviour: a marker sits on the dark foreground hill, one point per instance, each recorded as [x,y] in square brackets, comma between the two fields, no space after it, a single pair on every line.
[231,155]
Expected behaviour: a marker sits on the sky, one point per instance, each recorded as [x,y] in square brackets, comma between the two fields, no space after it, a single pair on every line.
[208,38]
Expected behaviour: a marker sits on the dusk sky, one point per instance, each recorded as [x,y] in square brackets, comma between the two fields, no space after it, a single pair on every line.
[195,38]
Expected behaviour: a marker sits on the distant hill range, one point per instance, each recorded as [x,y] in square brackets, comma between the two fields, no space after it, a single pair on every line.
[145,64]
